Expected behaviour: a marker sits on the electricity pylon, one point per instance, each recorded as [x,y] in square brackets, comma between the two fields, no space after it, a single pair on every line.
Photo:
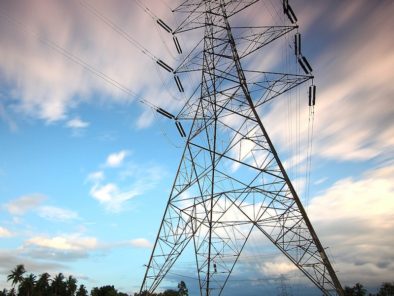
[230,180]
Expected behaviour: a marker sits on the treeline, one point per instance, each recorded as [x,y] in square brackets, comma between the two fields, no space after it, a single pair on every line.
[386,289]
[30,285]
[44,285]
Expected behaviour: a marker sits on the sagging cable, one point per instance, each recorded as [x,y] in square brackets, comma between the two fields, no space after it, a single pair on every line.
[180,129]
[165,113]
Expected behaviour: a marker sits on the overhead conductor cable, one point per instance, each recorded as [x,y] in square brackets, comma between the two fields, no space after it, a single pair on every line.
[162,24]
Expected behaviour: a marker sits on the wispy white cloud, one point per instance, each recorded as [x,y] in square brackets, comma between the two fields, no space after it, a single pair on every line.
[4,232]
[131,180]
[73,246]
[77,123]
[114,197]
[141,243]
[21,205]
[34,203]
[116,159]
[65,243]
[96,176]
[56,213]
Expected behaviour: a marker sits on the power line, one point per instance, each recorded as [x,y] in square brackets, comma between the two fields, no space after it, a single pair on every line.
[79,61]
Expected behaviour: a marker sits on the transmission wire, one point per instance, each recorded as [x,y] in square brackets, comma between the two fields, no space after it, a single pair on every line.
[79,61]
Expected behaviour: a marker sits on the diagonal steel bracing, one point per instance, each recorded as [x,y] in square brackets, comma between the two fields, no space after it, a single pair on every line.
[230,181]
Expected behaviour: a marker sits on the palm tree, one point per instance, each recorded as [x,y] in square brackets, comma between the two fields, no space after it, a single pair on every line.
[71,285]
[42,285]
[82,291]
[16,275]
[11,292]
[27,285]
[58,285]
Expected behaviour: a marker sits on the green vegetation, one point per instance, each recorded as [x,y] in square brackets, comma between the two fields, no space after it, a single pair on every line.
[30,285]
[59,285]
[386,289]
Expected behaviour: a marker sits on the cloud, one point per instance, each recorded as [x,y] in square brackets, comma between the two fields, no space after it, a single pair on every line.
[116,159]
[10,258]
[5,116]
[4,232]
[96,176]
[357,215]
[67,247]
[56,214]
[141,243]
[77,123]
[64,243]
[114,198]
[130,180]
[23,204]
[45,56]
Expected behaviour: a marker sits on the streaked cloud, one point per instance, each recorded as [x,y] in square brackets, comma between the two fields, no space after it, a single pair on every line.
[50,77]
[354,218]
[21,205]
[6,117]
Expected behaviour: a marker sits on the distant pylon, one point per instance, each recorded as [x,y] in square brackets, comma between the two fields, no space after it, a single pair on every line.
[230,180]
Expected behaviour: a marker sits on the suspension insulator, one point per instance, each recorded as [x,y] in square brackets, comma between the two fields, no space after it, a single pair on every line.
[285,5]
[177,45]
[297,44]
[300,61]
[290,14]
[165,113]
[178,83]
[312,95]
[180,129]
[164,26]
[307,64]
[164,66]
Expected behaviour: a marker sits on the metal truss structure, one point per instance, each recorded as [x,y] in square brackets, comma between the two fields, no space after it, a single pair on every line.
[230,180]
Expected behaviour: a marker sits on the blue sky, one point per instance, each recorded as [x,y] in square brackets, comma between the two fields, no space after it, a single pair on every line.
[86,170]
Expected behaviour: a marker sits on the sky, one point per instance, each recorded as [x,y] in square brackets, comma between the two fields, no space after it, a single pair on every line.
[86,169]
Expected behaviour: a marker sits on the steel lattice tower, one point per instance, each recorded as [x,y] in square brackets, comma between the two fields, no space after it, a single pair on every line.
[230,180]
